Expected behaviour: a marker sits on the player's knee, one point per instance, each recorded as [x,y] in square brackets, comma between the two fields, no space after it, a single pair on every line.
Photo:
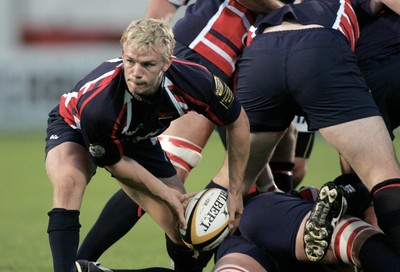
[183,153]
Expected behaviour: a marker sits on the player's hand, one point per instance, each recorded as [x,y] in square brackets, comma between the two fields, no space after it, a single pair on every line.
[177,203]
[235,209]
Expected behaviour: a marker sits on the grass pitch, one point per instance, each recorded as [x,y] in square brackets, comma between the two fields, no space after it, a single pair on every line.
[26,197]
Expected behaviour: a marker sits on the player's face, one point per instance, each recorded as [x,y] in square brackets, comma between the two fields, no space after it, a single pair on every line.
[143,70]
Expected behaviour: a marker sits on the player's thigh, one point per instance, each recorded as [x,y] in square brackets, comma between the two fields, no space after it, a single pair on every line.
[366,145]
[238,262]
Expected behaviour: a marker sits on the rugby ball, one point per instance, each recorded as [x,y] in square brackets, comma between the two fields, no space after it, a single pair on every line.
[207,220]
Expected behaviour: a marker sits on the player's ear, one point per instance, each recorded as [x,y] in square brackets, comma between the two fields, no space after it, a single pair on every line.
[167,65]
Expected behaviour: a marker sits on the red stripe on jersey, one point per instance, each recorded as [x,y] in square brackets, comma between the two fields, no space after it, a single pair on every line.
[348,24]
[215,57]
[231,16]
[114,133]
[205,106]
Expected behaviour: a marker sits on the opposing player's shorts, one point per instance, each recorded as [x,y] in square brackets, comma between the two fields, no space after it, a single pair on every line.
[151,156]
[268,260]
[310,71]
[272,220]
[382,76]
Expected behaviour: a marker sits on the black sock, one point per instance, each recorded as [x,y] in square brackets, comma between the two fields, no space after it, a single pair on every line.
[118,216]
[283,175]
[386,198]
[377,254]
[63,230]
[356,193]
[185,259]
[212,184]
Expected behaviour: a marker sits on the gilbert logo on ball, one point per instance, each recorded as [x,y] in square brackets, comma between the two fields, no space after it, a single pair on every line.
[207,220]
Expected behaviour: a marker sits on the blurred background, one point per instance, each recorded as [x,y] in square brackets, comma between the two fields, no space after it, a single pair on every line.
[47,46]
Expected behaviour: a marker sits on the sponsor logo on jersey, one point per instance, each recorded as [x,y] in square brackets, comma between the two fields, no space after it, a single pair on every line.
[97,150]
[223,93]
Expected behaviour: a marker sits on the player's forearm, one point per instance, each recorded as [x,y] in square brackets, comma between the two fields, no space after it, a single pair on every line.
[134,175]
[238,151]
[160,9]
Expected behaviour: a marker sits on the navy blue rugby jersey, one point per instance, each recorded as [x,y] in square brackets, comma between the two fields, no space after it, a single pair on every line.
[107,114]
[336,14]
[379,34]
[215,29]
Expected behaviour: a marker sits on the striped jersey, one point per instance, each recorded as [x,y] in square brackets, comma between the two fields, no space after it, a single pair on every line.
[215,29]
[105,112]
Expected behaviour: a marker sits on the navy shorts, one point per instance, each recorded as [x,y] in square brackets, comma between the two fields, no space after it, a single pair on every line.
[382,76]
[310,72]
[268,260]
[150,156]
[271,221]
[237,244]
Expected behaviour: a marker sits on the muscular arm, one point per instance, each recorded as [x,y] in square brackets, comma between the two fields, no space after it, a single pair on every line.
[377,5]
[161,9]
[135,176]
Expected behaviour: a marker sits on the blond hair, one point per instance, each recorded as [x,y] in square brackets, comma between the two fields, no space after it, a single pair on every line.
[149,34]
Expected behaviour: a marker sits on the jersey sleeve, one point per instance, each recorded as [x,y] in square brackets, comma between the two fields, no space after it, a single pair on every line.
[223,104]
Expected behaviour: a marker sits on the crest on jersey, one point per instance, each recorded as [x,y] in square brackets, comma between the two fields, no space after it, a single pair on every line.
[97,150]
[223,93]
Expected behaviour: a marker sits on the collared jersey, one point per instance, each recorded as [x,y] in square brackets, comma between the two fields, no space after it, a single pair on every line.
[336,14]
[110,118]
[215,29]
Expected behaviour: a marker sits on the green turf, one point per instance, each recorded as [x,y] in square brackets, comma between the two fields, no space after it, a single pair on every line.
[26,197]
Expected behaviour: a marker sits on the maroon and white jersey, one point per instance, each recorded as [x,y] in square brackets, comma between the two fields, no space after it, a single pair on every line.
[215,29]
[105,112]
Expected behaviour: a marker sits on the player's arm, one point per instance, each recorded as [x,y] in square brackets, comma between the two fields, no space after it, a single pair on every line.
[377,5]
[132,174]
[238,148]
[261,6]
[161,9]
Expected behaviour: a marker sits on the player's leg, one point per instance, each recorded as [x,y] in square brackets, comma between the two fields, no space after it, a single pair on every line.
[239,254]
[183,142]
[373,158]
[282,160]
[262,146]
[69,169]
[304,146]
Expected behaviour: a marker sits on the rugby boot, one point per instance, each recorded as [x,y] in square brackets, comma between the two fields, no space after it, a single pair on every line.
[328,208]
[88,266]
